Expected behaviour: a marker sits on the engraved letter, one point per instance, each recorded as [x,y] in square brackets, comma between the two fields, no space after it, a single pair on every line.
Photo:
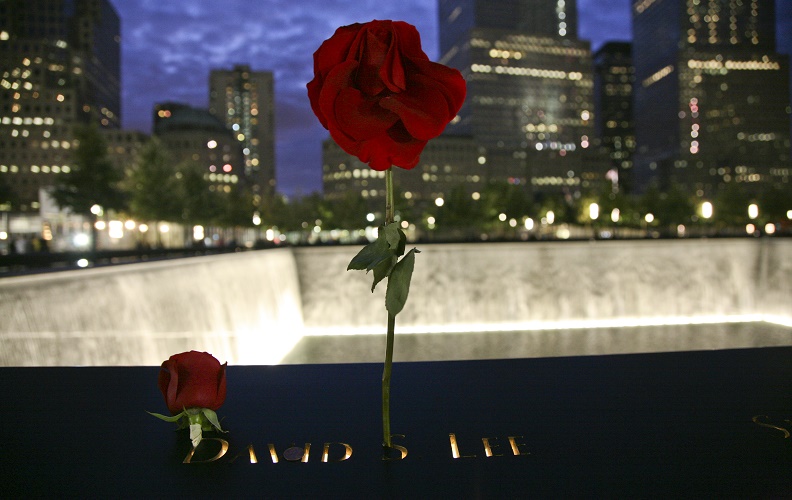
[251,454]
[455,448]
[386,450]
[273,453]
[326,452]
[223,449]
[769,426]
[488,448]
[515,446]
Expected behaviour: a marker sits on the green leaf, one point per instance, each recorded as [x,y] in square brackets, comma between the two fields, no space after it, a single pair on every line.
[382,270]
[174,418]
[397,240]
[211,416]
[371,255]
[399,283]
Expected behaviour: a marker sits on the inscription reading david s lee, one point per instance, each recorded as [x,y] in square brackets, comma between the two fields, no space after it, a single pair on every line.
[215,449]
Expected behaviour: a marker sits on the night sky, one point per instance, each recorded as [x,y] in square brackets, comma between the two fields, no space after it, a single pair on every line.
[168,49]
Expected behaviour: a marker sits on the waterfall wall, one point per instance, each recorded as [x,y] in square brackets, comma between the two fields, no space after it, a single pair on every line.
[254,307]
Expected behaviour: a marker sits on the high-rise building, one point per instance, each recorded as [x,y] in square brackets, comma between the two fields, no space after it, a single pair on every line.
[59,66]
[711,95]
[196,137]
[614,76]
[244,101]
[530,88]
[447,163]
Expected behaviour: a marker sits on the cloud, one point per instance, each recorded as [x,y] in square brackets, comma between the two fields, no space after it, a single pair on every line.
[169,48]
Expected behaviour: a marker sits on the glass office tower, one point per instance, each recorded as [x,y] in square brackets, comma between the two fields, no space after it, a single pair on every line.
[59,66]
[530,87]
[711,95]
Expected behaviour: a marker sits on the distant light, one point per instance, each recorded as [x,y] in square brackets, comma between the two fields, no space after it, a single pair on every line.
[706,210]
[81,240]
[649,218]
[529,223]
[227,168]
[753,211]
[211,144]
[789,214]
[100,225]
[681,230]
[256,219]
[430,220]
[143,228]
[116,229]
[370,217]
[439,202]
[585,115]
[82,263]
[482,160]
[593,211]
[198,233]
[750,228]
[770,228]
[477,196]
[3,235]
[164,228]
[513,222]
[615,215]
[405,224]
[129,225]
[270,235]
[502,217]
[96,210]
[550,216]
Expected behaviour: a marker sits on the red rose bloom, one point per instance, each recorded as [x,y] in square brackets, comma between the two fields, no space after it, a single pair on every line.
[378,94]
[193,380]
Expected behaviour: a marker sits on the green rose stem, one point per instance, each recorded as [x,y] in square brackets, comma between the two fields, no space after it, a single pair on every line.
[386,372]
[382,257]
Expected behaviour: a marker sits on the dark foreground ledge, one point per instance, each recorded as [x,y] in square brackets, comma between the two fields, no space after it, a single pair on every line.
[677,424]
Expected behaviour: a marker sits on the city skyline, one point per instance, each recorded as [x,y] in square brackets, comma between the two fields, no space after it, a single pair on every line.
[168,51]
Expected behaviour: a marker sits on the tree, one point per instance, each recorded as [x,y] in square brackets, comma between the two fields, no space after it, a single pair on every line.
[93,179]
[152,184]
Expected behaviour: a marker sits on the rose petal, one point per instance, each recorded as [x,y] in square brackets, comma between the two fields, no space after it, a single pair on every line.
[396,148]
[332,52]
[192,379]
[336,49]
[409,41]
[453,85]
[372,53]
[422,108]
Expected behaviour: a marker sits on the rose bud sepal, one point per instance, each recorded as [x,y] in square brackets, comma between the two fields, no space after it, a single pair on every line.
[197,419]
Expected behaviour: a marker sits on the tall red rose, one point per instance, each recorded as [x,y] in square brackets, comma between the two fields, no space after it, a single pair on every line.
[378,94]
[193,380]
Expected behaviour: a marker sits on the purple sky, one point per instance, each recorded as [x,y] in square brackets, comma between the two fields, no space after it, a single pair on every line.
[168,49]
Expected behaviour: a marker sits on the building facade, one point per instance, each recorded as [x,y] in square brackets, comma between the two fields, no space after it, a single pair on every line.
[244,101]
[447,163]
[59,67]
[724,91]
[196,137]
[614,76]
[530,88]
